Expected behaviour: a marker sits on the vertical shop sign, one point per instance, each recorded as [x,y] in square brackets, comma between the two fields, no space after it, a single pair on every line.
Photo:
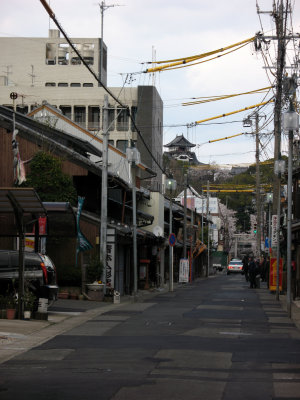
[110,257]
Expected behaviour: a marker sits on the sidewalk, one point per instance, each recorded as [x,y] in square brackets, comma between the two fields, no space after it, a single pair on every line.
[18,336]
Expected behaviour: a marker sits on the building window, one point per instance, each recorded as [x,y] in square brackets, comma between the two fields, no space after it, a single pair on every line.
[111,118]
[50,53]
[75,60]
[133,113]
[75,84]
[62,84]
[66,110]
[122,145]
[88,85]
[22,109]
[79,115]
[123,120]
[50,84]
[94,118]
[112,142]
[88,53]
[63,54]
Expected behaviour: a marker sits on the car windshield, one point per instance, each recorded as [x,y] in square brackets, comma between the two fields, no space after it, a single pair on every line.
[236,262]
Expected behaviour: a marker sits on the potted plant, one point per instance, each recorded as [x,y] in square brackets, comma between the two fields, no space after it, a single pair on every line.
[11,302]
[95,289]
[29,302]
[2,306]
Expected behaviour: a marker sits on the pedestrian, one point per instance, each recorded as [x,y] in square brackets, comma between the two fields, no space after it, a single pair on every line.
[252,269]
[262,268]
[245,268]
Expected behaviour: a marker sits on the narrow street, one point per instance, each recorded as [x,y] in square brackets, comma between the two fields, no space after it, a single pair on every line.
[215,339]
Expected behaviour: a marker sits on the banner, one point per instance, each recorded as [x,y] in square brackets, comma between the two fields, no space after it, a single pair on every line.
[82,243]
[184,269]
[273,274]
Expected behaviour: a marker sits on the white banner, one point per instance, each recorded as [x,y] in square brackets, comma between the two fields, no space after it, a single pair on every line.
[184,269]
[110,258]
[274,231]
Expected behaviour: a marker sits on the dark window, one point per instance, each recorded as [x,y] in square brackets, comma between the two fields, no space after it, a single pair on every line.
[79,115]
[94,118]
[63,84]
[66,110]
[111,119]
[123,120]
[88,85]
[122,145]
[75,84]
[50,84]
[133,113]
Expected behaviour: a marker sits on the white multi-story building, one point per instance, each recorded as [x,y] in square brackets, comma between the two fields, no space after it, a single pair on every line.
[48,70]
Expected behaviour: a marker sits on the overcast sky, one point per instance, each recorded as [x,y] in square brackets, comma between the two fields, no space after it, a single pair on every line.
[174,28]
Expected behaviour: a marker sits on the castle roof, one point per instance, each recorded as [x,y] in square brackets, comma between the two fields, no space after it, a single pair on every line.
[180,141]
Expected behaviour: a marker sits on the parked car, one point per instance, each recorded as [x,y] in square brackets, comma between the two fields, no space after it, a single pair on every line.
[235,266]
[39,272]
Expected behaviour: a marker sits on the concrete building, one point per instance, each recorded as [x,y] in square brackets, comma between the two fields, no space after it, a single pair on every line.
[47,69]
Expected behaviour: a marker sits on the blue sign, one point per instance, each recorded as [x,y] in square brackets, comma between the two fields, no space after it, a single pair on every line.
[172,239]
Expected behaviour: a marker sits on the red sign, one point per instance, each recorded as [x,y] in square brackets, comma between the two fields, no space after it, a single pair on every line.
[273,274]
[42,225]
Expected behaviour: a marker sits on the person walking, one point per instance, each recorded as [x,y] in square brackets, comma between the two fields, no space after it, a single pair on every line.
[252,269]
[246,268]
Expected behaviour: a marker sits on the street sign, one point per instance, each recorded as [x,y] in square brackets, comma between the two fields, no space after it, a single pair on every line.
[172,239]
[13,95]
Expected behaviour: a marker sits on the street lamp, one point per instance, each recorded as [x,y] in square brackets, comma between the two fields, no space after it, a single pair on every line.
[290,123]
[171,185]
[133,157]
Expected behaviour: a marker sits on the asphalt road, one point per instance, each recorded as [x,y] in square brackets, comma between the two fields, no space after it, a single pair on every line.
[215,339]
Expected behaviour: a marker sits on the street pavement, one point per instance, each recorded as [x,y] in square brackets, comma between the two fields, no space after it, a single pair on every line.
[214,339]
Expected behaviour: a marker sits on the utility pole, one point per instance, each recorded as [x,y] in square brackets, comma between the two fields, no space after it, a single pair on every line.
[258,199]
[184,218]
[281,51]
[280,16]
[103,227]
[103,7]
[207,219]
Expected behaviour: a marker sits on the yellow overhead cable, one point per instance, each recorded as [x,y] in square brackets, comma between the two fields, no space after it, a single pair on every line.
[234,112]
[185,60]
[222,97]
[230,191]
[204,61]
[227,137]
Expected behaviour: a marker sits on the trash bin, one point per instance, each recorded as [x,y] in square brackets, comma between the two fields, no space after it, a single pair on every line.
[116,297]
